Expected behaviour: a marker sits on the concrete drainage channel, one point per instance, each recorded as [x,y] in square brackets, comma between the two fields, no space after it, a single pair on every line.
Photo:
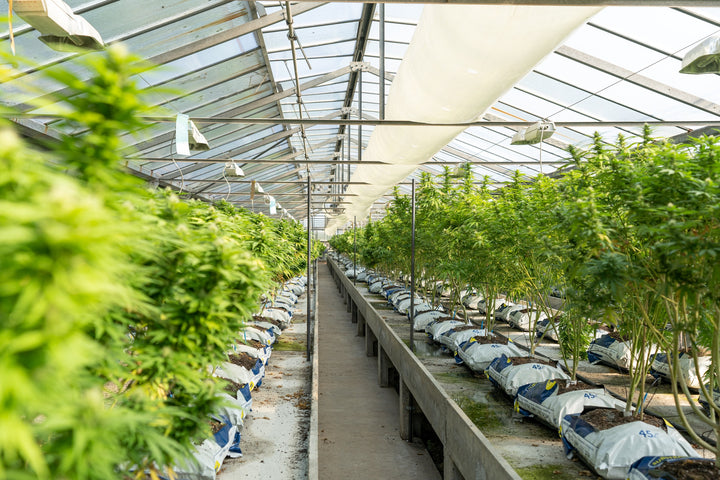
[424,401]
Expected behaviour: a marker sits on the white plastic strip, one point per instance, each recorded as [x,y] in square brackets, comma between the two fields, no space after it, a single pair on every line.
[182,147]
[461,59]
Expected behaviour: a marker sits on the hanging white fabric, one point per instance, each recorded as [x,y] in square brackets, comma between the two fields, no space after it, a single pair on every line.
[462,58]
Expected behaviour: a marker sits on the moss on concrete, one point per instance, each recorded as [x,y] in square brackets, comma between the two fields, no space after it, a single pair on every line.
[546,472]
[287,345]
[482,415]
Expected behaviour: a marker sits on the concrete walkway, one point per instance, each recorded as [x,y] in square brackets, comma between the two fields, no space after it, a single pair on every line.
[358,421]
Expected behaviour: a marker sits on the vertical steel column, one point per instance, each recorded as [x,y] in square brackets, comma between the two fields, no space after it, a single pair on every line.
[309,273]
[360,115]
[382,62]
[412,270]
[354,249]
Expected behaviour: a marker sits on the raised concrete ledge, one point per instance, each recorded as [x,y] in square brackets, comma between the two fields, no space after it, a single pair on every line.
[467,451]
[313,469]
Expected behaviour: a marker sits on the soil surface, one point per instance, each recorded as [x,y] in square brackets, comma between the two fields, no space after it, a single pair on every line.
[260,318]
[252,343]
[567,386]
[231,387]
[243,360]
[604,418]
[691,470]
[215,426]
[463,328]
[526,360]
[489,339]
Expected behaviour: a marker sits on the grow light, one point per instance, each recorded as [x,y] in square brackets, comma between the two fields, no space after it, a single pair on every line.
[233,170]
[535,133]
[60,28]
[704,58]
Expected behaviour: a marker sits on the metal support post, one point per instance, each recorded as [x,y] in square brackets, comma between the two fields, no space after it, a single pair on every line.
[360,115]
[309,267]
[382,61]
[354,249]
[412,270]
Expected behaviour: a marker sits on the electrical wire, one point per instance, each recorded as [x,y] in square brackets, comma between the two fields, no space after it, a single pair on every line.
[172,157]
[228,185]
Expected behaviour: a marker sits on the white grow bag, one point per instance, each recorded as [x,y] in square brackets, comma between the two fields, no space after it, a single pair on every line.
[422,320]
[610,351]
[542,401]
[471,301]
[403,306]
[452,338]
[661,368]
[277,331]
[262,354]
[482,305]
[547,329]
[259,334]
[377,286]
[650,468]
[503,313]
[278,314]
[236,373]
[437,328]
[211,454]
[522,318]
[511,377]
[611,452]
[478,356]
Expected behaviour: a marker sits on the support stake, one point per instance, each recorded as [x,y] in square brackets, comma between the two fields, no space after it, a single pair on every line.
[412,271]
[309,266]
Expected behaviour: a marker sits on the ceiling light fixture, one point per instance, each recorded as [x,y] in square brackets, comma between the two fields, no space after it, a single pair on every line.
[59,27]
[703,58]
[535,133]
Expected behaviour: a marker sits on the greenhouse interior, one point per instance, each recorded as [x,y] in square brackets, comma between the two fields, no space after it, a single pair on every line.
[474,239]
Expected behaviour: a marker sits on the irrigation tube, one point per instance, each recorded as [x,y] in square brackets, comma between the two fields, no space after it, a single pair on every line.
[412,270]
[309,272]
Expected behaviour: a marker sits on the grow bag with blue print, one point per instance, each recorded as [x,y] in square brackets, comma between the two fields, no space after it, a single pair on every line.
[502,313]
[435,329]
[278,314]
[610,351]
[509,376]
[546,329]
[424,319]
[482,305]
[611,452]
[549,403]
[238,374]
[478,356]
[211,454]
[263,353]
[660,368]
[454,337]
[522,318]
[657,468]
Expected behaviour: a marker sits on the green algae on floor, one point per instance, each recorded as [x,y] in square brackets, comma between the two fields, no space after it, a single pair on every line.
[546,472]
[287,345]
[454,377]
[482,415]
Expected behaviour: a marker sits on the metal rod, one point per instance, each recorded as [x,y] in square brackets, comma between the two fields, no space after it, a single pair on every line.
[360,102]
[404,123]
[354,249]
[331,162]
[309,275]
[285,182]
[382,62]
[412,269]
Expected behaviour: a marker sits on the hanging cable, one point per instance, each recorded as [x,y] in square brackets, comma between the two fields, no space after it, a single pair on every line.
[228,185]
[172,157]
[292,36]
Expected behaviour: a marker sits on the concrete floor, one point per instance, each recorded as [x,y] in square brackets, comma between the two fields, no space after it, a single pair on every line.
[358,421]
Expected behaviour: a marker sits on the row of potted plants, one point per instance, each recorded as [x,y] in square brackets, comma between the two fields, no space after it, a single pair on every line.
[116,300]
[628,233]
